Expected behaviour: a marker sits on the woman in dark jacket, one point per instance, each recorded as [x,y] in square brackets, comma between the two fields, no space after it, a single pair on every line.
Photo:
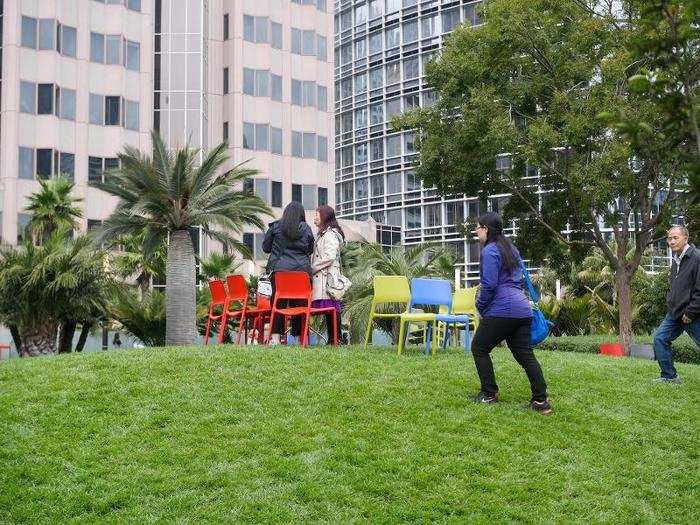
[290,243]
[505,313]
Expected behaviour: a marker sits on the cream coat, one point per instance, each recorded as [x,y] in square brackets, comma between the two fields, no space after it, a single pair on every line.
[325,260]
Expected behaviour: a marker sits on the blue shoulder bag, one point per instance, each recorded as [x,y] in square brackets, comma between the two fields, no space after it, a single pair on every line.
[540,324]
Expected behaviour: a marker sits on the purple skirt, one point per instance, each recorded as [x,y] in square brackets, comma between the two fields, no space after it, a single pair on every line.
[327,303]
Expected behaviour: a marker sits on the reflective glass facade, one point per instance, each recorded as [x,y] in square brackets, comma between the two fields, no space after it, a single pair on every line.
[381,50]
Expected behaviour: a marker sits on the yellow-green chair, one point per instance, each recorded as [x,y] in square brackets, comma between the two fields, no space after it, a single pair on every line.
[463,303]
[387,289]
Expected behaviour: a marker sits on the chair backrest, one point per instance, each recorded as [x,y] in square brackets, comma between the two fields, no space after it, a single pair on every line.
[431,292]
[391,289]
[237,288]
[464,301]
[218,292]
[292,285]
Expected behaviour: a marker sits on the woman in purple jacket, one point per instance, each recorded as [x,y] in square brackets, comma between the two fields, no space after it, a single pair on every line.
[505,313]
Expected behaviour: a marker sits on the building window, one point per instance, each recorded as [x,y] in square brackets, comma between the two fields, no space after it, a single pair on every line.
[309,93]
[97,47]
[322,149]
[226,35]
[261,137]
[48,34]
[248,81]
[248,28]
[296,144]
[308,42]
[44,104]
[296,192]
[96,109]
[29,27]
[261,29]
[296,92]
[43,163]
[322,196]
[276,141]
[225,81]
[309,145]
[113,49]
[133,56]
[112,111]
[276,196]
[309,196]
[65,100]
[26,163]
[225,131]
[296,41]
[131,115]
[248,135]
[276,87]
[262,83]
[450,19]
[276,35]
[321,48]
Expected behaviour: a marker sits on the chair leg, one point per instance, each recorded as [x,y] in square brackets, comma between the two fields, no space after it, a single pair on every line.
[272,320]
[305,330]
[222,326]
[335,328]
[446,338]
[467,339]
[208,330]
[402,333]
[241,325]
[369,326]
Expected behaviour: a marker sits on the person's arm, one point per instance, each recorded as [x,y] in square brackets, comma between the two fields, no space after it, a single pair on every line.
[490,264]
[267,241]
[331,247]
[692,311]
[309,235]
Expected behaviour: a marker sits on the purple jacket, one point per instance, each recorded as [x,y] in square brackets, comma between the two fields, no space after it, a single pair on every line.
[502,293]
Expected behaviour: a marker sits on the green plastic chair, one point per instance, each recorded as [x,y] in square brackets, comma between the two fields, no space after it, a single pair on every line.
[463,302]
[387,289]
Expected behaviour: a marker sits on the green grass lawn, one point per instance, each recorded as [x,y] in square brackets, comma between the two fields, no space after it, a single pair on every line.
[342,435]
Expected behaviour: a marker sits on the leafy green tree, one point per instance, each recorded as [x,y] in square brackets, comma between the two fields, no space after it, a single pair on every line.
[535,87]
[53,208]
[167,195]
[43,286]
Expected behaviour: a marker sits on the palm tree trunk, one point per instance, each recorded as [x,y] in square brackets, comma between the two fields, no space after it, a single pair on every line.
[65,340]
[180,291]
[16,339]
[38,340]
[85,331]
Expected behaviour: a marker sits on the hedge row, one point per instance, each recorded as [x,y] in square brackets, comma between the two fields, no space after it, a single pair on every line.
[684,349]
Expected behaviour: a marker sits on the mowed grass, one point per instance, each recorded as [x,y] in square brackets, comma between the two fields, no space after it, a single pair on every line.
[342,435]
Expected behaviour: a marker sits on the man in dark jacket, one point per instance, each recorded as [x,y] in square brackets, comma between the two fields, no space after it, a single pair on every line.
[682,302]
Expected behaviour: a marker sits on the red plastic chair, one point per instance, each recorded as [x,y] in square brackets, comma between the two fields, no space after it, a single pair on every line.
[218,298]
[237,297]
[297,286]
[258,314]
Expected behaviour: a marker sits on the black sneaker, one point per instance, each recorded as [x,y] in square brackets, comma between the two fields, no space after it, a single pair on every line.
[483,397]
[543,407]
[677,380]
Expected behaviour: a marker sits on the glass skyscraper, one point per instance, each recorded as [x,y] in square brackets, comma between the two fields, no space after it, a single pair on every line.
[381,50]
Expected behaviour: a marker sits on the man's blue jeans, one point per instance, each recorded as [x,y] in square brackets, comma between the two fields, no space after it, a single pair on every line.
[668,331]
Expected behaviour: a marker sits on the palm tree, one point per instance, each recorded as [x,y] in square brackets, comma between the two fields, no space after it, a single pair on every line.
[143,317]
[44,286]
[166,196]
[417,261]
[218,266]
[53,208]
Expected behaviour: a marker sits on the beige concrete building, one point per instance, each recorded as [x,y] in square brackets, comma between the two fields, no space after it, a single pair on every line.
[82,78]
[76,87]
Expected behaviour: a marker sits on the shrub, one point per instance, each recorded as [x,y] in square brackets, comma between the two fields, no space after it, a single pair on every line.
[684,349]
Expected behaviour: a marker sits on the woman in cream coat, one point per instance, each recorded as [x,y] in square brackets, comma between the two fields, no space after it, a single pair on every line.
[325,261]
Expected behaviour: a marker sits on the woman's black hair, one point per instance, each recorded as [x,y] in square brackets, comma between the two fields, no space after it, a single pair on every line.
[292,216]
[494,225]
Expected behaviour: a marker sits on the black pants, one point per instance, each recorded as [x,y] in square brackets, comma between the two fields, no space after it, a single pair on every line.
[516,332]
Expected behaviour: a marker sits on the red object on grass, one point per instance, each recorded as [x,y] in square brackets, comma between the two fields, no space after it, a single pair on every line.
[612,349]
[218,298]
[297,285]
[237,298]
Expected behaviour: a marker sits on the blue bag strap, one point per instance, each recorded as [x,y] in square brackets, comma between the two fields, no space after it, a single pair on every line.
[534,296]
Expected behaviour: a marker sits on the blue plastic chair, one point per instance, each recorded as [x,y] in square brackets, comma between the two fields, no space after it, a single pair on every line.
[458,319]
[425,292]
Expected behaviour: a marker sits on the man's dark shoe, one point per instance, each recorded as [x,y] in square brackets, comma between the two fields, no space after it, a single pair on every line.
[483,397]
[543,407]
